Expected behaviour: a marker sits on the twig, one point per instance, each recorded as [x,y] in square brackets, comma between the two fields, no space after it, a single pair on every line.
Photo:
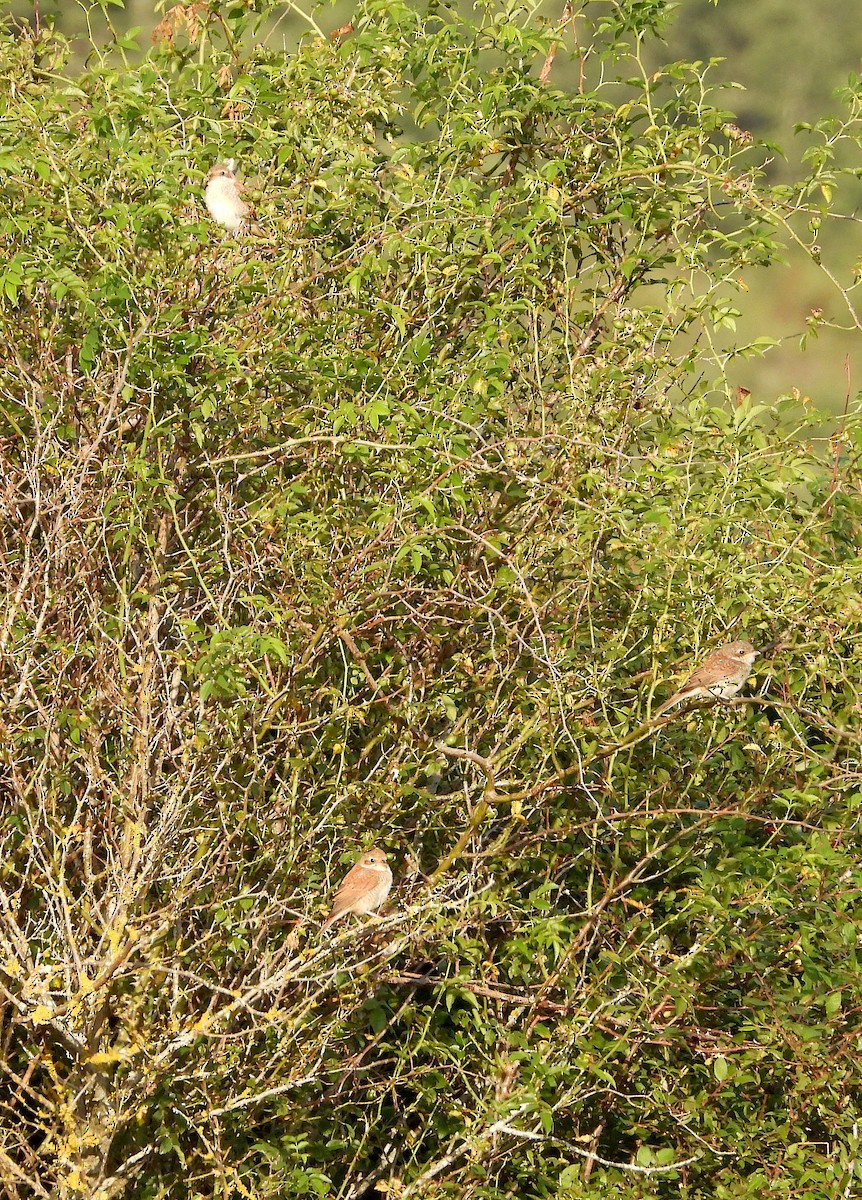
[544,74]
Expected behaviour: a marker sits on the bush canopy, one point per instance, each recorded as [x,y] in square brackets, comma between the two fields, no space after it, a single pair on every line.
[393,523]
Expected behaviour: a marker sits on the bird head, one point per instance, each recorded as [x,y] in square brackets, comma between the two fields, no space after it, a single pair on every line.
[373,858]
[223,170]
[743,651]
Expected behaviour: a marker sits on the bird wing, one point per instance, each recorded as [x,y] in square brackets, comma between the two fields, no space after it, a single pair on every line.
[707,675]
[714,673]
[355,883]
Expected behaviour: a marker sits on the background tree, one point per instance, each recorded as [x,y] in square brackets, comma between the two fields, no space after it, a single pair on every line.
[386,527]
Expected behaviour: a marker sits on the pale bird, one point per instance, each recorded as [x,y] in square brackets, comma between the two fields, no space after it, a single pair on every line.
[223,197]
[721,675]
[363,889]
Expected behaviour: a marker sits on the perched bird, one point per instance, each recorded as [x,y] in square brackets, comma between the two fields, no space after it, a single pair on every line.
[223,197]
[721,675]
[364,888]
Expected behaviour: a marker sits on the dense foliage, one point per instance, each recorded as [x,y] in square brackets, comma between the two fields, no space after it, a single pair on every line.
[392,524]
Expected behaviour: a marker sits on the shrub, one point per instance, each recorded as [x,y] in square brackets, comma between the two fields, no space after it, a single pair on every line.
[392,524]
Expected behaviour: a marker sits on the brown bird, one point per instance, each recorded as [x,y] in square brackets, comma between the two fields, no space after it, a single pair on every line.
[721,675]
[363,889]
[224,200]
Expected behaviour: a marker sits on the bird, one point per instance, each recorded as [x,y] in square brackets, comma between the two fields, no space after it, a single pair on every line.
[223,198]
[363,889]
[721,675]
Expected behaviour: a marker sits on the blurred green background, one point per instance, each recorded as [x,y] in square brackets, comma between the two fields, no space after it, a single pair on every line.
[784,62]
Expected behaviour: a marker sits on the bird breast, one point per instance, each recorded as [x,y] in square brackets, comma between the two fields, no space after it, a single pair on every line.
[372,900]
[727,689]
[225,203]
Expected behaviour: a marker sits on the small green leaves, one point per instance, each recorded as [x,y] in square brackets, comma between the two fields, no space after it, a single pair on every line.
[392,524]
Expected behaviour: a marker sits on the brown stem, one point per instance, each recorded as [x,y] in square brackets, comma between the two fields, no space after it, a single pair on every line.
[568,12]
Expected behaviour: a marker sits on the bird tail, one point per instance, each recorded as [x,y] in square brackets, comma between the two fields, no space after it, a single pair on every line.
[675,699]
